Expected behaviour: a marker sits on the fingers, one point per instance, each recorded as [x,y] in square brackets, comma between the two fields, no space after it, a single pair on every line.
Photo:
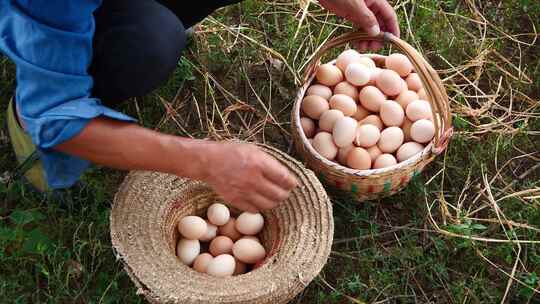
[386,16]
[245,205]
[366,19]
[261,202]
[277,173]
[273,192]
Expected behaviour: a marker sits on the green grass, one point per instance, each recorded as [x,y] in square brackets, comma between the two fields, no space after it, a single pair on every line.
[57,249]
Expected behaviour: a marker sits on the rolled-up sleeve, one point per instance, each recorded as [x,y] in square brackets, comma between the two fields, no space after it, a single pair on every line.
[51,45]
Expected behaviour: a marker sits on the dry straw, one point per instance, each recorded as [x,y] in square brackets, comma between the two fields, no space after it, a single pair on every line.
[298,236]
[373,184]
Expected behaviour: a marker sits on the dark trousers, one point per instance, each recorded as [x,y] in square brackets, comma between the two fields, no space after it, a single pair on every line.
[138,43]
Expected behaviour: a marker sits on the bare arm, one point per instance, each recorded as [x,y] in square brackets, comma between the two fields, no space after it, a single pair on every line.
[242,174]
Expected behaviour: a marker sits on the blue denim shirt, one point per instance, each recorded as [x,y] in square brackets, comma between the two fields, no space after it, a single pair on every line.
[51,44]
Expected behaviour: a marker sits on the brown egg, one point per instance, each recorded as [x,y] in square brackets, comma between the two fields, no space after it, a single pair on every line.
[418,109]
[329,75]
[371,98]
[229,230]
[358,74]
[372,120]
[314,106]
[422,131]
[360,113]
[343,103]
[374,152]
[422,94]
[359,159]
[390,83]
[192,227]
[406,127]
[406,97]
[308,126]
[408,150]
[392,113]
[240,268]
[375,72]
[220,245]
[343,153]
[384,161]
[346,88]
[248,251]
[399,63]
[319,90]
[391,139]
[347,57]
[367,135]
[221,266]
[324,144]
[202,261]
[328,119]
[344,131]
[367,62]
[414,83]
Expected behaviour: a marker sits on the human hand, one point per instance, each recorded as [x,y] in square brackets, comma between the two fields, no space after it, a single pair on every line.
[246,177]
[372,16]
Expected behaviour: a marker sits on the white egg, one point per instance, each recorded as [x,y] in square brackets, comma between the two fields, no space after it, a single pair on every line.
[344,131]
[218,214]
[221,266]
[192,227]
[249,251]
[418,109]
[188,250]
[323,143]
[391,139]
[329,118]
[211,232]
[357,74]
[367,135]
[422,131]
[408,150]
[249,223]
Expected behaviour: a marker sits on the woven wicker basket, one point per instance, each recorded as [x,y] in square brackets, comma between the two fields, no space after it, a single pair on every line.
[297,235]
[372,184]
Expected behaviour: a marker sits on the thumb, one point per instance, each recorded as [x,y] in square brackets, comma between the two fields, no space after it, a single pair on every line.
[366,20]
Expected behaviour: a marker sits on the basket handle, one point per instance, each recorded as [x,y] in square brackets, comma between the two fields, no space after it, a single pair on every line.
[433,85]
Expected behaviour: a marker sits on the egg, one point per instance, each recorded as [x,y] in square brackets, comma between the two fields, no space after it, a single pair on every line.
[344,103]
[384,161]
[328,119]
[414,82]
[308,126]
[357,74]
[422,131]
[408,150]
[314,106]
[406,97]
[319,90]
[371,98]
[202,261]
[249,223]
[218,214]
[422,94]
[406,127]
[220,245]
[342,154]
[391,139]
[418,109]
[374,152]
[192,227]
[251,237]
[367,135]
[375,72]
[346,88]
[229,230]
[239,268]
[399,63]
[248,251]
[367,62]
[360,113]
[188,250]
[329,75]
[324,144]
[392,114]
[372,120]
[344,131]
[211,232]
[389,83]
[221,266]
[347,57]
[359,159]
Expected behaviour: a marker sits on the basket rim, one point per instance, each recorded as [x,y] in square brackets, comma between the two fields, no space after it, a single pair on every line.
[426,152]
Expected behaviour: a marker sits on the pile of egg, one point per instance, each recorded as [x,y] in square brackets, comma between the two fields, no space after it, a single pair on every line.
[364,116]
[232,243]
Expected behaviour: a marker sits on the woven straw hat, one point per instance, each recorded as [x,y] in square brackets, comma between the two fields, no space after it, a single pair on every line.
[297,235]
